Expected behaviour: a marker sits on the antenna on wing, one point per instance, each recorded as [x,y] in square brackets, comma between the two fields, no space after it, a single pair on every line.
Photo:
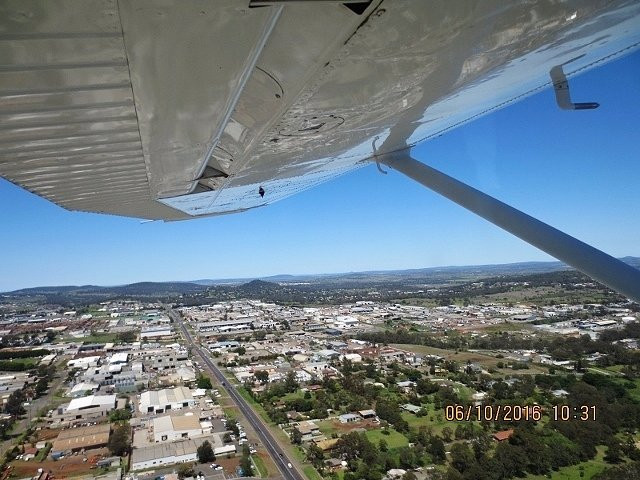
[561,88]
[375,155]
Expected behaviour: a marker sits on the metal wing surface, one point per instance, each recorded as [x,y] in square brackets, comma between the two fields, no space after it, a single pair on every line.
[167,109]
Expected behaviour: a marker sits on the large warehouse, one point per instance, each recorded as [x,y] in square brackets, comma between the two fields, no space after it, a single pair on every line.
[164,454]
[161,401]
[82,438]
[170,427]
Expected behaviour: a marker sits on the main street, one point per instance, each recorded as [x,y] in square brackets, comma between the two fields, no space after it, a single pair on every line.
[279,456]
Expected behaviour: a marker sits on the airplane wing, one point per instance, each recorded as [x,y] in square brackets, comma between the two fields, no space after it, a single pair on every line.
[177,109]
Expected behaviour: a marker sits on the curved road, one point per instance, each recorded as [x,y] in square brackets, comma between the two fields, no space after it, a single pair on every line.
[270,443]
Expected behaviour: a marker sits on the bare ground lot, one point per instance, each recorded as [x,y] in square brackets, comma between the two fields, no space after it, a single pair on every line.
[70,466]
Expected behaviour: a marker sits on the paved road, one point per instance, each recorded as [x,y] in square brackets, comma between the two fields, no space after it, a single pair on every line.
[261,429]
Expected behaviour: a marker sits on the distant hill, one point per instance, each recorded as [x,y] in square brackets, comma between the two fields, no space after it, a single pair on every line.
[417,275]
[295,288]
[140,288]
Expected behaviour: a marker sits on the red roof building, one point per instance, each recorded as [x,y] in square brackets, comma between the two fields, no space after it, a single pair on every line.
[503,435]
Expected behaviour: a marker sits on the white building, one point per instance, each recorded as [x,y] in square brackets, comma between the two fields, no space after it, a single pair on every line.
[165,359]
[224,450]
[184,451]
[164,454]
[161,401]
[170,428]
[118,358]
[303,377]
[226,326]
[85,409]
[84,362]
[352,357]
[81,389]
[156,332]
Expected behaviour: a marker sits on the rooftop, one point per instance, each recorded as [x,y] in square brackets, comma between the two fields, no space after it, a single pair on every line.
[176,423]
[92,401]
[82,437]
[166,396]
[163,450]
[503,435]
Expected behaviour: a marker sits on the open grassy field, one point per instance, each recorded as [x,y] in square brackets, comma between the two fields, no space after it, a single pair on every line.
[292,396]
[93,338]
[230,411]
[433,419]
[485,360]
[19,364]
[635,391]
[417,301]
[311,473]
[463,392]
[327,427]
[260,466]
[394,439]
[255,405]
[543,296]
[590,468]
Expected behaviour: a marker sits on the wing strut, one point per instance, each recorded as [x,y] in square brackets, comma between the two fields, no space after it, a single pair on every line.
[601,267]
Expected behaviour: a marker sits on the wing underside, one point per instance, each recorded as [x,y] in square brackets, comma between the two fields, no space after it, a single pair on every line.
[178,109]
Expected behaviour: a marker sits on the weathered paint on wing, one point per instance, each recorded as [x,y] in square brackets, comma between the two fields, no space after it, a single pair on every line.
[177,109]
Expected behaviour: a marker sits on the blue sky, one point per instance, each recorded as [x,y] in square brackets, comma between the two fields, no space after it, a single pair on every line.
[577,171]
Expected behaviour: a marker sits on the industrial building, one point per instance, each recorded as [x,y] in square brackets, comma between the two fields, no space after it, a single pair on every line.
[81,438]
[170,428]
[161,401]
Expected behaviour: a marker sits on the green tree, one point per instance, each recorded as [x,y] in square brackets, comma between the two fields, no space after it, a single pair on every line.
[120,415]
[296,436]
[262,376]
[5,427]
[290,383]
[120,440]
[453,474]
[407,458]
[349,446]
[437,450]
[315,455]
[186,470]
[204,382]
[14,403]
[245,462]
[461,457]
[614,452]
[41,386]
[205,452]
[127,337]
